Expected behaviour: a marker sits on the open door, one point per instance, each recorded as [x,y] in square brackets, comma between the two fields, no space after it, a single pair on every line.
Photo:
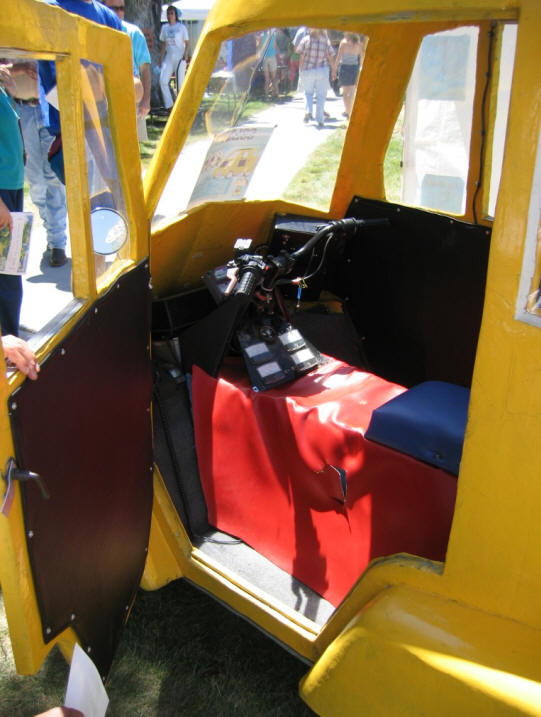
[73,542]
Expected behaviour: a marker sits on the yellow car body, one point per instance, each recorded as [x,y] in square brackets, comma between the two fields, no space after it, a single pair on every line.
[412,636]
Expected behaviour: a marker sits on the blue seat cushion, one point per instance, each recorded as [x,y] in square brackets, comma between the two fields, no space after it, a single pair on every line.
[427,422]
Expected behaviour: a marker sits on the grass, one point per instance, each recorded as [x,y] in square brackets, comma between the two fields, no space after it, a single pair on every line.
[392,169]
[317,178]
[181,654]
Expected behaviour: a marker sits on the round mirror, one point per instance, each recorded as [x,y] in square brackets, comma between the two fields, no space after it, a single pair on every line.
[109,230]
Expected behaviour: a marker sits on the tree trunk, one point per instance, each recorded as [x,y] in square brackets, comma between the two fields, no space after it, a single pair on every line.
[146,14]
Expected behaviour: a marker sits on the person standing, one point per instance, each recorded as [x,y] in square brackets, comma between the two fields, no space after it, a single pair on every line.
[91,10]
[174,49]
[348,63]
[267,51]
[46,190]
[316,59]
[141,61]
[11,197]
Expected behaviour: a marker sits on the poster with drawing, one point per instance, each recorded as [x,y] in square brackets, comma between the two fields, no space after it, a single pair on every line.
[15,245]
[230,163]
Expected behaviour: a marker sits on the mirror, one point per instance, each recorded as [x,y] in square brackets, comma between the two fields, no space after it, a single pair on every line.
[109,230]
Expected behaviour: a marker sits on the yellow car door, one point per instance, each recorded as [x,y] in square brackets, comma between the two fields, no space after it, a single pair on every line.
[76,446]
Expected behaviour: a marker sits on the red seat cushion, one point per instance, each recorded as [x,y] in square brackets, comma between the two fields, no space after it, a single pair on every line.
[274,467]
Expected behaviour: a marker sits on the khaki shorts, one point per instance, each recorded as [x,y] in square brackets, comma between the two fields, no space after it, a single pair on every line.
[269,64]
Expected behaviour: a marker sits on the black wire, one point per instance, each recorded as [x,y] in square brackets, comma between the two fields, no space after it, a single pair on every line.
[309,276]
[483,120]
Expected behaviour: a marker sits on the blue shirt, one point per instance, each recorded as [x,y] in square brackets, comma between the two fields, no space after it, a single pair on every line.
[141,55]
[94,11]
[11,145]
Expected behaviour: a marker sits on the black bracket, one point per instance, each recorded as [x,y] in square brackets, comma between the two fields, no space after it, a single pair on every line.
[12,472]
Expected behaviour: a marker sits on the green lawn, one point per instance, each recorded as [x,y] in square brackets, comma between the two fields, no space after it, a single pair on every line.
[181,654]
[317,178]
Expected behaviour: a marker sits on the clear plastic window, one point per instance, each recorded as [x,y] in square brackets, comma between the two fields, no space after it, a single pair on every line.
[503,94]
[103,178]
[260,132]
[47,290]
[428,159]
[528,307]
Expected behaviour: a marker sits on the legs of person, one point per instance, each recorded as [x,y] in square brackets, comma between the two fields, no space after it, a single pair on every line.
[267,75]
[165,75]
[46,190]
[273,72]
[11,286]
[308,83]
[321,86]
[11,298]
[348,92]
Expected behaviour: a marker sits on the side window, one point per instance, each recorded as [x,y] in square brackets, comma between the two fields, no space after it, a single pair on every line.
[528,307]
[271,123]
[502,93]
[110,246]
[46,269]
[435,126]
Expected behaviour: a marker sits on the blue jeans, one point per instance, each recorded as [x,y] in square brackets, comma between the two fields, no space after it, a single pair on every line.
[11,286]
[46,190]
[316,80]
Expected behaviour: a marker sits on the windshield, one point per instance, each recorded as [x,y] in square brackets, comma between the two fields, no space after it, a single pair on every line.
[276,105]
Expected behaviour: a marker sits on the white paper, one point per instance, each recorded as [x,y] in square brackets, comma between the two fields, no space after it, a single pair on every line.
[85,690]
[52,97]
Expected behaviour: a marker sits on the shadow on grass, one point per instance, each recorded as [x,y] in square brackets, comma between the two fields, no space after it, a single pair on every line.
[184,654]
[24,696]
[181,654]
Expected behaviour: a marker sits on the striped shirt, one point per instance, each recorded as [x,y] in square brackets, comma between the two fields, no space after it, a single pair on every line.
[316,51]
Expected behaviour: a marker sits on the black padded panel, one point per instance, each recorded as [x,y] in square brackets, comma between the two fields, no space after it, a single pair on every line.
[415,290]
[84,426]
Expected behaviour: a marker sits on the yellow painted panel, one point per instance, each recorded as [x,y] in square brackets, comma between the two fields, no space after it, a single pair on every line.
[412,653]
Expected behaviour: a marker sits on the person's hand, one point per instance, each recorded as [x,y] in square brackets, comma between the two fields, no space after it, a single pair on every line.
[6,80]
[6,220]
[61,712]
[144,108]
[19,353]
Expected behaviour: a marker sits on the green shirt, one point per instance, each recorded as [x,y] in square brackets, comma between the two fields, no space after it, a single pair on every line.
[11,145]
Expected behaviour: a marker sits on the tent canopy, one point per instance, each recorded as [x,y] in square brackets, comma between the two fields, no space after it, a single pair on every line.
[190,9]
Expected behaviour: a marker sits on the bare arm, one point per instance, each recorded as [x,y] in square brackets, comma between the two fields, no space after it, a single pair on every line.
[144,105]
[138,87]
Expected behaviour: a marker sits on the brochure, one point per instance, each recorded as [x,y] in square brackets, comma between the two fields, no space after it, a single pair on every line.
[15,245]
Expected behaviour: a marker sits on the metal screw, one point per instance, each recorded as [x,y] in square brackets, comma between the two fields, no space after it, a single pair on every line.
[95,309]
[48,630]
[13,406]
[72,616]
[30,533]
[62,352]
[89,649]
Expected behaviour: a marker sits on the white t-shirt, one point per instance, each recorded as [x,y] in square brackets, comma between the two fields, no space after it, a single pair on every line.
[175,38]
